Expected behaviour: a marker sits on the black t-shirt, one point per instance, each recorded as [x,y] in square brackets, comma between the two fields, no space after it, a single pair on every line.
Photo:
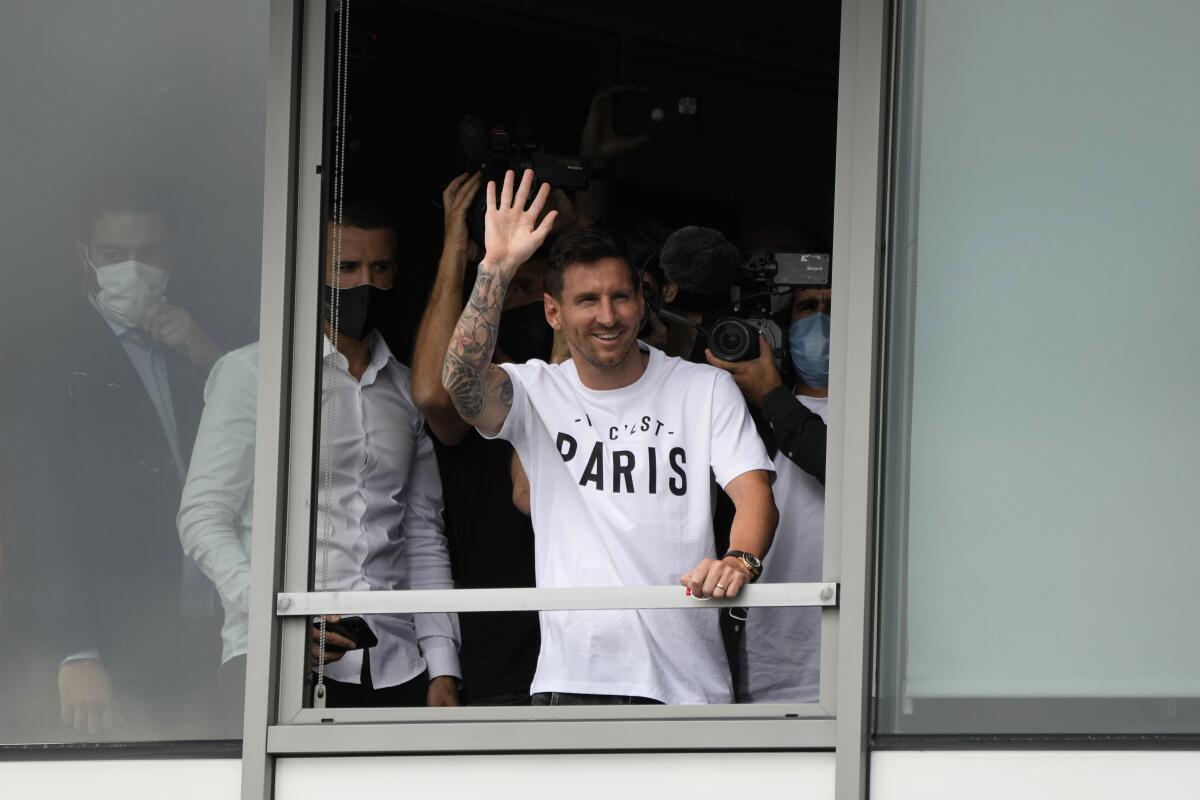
[491,546]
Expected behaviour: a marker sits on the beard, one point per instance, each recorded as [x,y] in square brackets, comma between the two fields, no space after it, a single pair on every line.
[599,354]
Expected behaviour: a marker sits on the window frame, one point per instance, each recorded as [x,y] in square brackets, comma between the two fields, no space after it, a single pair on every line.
[312,199]
[276,722]
[270,463]
[898,275]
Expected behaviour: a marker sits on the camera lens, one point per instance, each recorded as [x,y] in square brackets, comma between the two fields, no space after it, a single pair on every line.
[731,339]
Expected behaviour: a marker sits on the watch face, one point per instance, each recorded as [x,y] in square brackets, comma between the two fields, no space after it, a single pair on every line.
[752,560]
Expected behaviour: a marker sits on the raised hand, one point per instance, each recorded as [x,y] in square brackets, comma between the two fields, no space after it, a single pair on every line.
[456,202]
[599,141]
[511,231]
[176,328]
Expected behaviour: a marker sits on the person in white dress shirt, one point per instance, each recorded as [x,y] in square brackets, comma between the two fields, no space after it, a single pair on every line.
[382,514]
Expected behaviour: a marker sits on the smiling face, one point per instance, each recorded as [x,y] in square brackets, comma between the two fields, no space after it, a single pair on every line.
[599,312]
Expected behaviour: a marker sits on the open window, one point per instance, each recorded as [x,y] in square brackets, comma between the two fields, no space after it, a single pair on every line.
[643,125]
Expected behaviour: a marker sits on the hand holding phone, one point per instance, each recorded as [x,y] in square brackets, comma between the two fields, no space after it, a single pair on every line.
[343,634]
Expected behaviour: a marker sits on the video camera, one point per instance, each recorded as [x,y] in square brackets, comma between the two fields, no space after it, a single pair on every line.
[493,150]
[703,263]
[734,336]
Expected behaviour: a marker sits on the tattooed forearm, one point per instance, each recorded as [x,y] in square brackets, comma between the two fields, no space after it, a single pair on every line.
[464,386]
[472,344]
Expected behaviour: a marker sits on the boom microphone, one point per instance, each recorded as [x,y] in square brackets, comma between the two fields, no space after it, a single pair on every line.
[700,260]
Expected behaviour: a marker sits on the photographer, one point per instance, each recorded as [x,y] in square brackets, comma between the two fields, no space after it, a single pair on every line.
[699,266]
[779,655]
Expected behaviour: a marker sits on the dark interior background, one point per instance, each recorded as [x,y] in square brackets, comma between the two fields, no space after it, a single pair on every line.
[765,75]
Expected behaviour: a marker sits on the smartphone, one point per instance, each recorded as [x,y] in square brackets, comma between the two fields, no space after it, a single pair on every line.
[656,114]
[353,628]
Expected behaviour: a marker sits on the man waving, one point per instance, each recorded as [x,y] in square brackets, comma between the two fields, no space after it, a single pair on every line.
[619,443]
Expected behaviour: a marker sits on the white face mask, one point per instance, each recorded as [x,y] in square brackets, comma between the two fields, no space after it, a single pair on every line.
[127,289]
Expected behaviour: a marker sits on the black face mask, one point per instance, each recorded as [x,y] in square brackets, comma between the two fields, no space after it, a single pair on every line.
[524,333]
[358,308]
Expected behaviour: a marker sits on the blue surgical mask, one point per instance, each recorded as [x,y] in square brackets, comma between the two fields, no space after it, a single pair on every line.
[808,344]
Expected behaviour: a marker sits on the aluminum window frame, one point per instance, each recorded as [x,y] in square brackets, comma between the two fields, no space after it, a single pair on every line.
[276,721]
[312,196]
[272,443]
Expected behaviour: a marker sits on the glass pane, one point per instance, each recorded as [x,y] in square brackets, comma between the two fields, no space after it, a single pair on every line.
[612,491]
[131,222]
[1042,447]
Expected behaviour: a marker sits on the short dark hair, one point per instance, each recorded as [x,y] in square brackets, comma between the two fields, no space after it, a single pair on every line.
[366,214]
[116,194]
[582,246]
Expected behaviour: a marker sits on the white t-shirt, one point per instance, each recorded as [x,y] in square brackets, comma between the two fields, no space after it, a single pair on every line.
[780,653]
[620,491]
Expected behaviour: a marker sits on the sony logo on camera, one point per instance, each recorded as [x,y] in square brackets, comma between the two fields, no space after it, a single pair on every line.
[801,269]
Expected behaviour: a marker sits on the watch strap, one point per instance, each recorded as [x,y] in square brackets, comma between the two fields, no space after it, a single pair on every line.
[741,555]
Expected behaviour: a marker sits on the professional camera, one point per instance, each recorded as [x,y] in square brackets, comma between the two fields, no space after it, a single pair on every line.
[734,336]
[493,150]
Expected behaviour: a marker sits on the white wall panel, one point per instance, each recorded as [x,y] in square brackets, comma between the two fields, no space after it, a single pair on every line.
[194,779]
[1035,776]
[580,777]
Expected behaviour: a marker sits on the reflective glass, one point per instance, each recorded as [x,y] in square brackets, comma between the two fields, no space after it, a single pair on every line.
[131,226]
[1041,445]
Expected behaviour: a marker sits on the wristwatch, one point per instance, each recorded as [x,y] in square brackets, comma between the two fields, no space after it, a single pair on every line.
[751,561]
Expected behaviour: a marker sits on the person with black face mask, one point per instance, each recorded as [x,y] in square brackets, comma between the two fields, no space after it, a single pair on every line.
[383,487]
[491,542]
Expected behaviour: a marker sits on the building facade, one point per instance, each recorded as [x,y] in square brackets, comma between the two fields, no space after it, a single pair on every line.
[1003,601]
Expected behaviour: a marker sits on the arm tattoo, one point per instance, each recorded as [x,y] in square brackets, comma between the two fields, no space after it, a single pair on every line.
[472,344]
[463,385]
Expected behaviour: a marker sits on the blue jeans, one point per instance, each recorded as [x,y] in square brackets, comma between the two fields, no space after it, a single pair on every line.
[572,699]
